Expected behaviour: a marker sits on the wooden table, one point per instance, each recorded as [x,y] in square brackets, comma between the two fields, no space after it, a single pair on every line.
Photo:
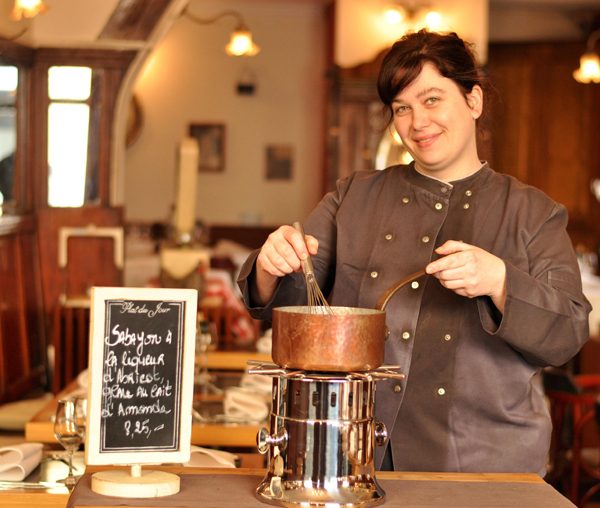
[40,428]
[230,360]
[514,489]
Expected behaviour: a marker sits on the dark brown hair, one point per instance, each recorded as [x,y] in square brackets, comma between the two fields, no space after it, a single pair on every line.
[453,57]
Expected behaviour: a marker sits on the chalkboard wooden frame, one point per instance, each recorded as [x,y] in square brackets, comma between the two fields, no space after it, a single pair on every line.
[141,372]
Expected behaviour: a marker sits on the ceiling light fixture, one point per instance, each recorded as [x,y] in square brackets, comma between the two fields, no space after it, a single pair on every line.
[414,15]
[589,63]
[240,43]
[28,9]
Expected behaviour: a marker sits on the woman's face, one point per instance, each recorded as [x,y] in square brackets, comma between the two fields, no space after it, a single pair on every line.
[437,124]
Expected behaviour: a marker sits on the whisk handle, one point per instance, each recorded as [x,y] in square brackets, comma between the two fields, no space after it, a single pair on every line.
[307,265]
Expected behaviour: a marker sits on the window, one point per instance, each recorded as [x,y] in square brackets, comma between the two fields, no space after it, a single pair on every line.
[69,91]
[9,79]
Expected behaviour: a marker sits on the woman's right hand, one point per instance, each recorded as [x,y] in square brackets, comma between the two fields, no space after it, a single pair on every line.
[280,255]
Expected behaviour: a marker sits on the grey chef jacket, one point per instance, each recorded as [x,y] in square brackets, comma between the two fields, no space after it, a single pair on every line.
[472,399]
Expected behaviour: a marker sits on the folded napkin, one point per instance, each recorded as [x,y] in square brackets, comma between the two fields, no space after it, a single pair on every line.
[264,344]
[245,404]
[257,383]
[16,462]
[83,379]
[206,457]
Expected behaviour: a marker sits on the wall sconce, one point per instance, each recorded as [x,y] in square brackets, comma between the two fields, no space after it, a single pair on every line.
[28,9]
[414,15]
[589,63]
[240,43]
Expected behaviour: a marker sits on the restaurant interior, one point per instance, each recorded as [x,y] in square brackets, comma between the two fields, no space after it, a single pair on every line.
[142,147]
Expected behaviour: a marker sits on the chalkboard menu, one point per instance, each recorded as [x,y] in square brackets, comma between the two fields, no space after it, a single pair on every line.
[141,375]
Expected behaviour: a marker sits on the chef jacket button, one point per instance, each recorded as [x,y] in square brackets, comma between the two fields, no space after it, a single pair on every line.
[374,274]
[397,388]
[468,193]
[389,236]
[466,206]
[405,199]
[425,239]
[438,206]
[406,335]
[447,337]
[414,284]
[444,190]
[441,391]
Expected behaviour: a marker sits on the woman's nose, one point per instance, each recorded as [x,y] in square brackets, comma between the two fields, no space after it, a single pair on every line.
[420,118]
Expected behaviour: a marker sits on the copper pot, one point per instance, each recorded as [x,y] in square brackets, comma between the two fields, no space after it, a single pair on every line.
[352,339]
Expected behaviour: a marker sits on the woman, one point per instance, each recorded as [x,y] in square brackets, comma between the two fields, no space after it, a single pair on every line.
[502,296]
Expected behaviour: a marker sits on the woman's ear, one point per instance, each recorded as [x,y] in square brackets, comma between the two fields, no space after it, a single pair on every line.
[475,101]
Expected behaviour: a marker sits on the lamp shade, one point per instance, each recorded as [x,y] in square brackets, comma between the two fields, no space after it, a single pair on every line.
[589,68]
[27,9]
[241,43]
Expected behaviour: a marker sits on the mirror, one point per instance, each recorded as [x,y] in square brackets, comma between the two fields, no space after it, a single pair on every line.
[9,80]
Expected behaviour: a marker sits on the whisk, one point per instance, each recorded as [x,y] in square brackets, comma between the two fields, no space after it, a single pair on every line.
[317,304]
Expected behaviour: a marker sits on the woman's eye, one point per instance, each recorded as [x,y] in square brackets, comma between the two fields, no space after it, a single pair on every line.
[431,100]
[401,110]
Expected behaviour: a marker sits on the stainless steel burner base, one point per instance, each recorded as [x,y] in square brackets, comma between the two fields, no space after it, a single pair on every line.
[353,493]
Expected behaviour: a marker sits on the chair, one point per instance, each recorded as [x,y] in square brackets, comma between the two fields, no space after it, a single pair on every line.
[71,311]
[70,332]
[587,459]
[573,401]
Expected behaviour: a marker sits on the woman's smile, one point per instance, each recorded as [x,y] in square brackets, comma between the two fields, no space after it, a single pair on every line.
[426,141]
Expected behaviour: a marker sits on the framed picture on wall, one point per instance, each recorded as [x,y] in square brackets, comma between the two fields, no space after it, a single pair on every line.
[211,145]
[279,162]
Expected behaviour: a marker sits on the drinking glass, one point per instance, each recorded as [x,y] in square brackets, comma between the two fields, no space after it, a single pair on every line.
[81,415]
[68,430]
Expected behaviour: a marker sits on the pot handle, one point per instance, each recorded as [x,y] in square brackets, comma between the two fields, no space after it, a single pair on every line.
[385,298]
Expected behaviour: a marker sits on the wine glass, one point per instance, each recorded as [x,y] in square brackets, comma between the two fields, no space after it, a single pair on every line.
[81,414]
[69,433]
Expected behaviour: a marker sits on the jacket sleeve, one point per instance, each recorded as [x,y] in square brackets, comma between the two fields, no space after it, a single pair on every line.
[546,314]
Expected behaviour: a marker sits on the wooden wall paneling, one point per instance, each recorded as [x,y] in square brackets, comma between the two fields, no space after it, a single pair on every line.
[510,113]
[14,339]
[22,344]
[13,357]
[330,119]
[250,236]
[33,301]
[23,187]
[38,141]
[560,152]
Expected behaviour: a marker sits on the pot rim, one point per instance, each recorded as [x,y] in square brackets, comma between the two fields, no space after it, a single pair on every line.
[338,311]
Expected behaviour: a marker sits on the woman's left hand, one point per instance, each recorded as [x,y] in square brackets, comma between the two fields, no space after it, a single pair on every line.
[470,271]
